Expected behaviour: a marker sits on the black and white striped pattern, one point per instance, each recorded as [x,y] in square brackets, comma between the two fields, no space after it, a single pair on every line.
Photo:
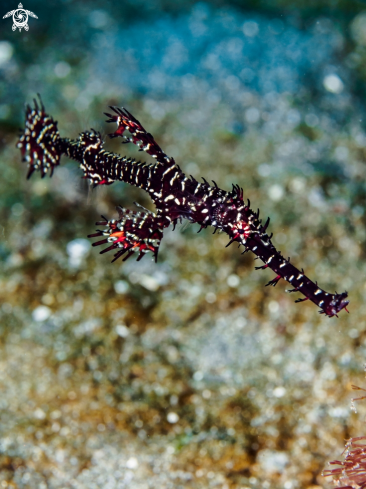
[174,194]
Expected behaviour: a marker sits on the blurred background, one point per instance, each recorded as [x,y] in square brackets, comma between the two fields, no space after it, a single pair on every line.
[189,372]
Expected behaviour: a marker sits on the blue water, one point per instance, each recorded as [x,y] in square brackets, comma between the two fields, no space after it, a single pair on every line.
[223,49]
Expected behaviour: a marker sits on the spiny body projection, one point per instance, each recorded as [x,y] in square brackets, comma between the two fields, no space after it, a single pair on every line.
[175,196]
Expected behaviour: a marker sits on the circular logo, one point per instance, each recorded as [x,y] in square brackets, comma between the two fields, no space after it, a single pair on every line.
[20,19]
